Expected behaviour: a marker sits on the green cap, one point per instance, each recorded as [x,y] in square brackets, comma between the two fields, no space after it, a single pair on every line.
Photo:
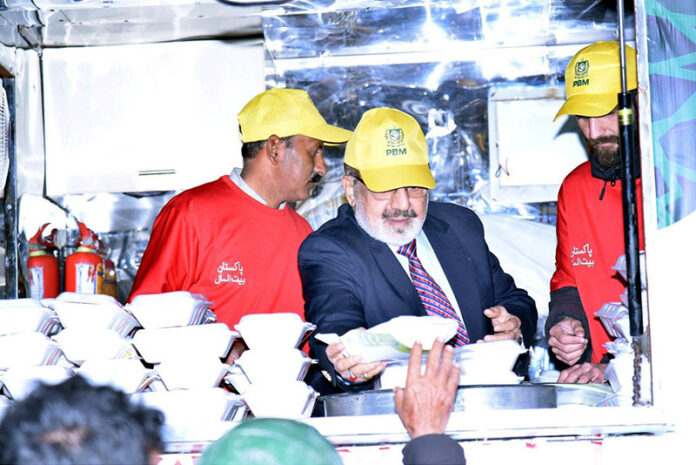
[271,441]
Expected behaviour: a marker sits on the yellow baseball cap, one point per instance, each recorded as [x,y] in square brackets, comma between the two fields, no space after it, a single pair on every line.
[285,113]
[593,79]
[389,150]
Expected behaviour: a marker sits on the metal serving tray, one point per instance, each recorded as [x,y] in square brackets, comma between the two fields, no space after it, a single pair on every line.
[489,397]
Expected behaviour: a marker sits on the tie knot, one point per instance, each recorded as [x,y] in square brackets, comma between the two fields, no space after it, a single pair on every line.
[408,250]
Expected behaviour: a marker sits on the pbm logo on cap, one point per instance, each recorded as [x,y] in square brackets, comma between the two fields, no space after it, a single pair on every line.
[395,141]
[582,68]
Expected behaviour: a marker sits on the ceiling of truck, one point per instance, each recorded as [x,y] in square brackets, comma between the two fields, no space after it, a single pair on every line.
[63,23]
[67,23]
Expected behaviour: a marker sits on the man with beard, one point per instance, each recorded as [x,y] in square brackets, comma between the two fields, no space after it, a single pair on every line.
[235,239]
[391,253]
[590,216]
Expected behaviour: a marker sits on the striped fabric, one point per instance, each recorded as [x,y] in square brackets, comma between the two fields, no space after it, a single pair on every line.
[434,300]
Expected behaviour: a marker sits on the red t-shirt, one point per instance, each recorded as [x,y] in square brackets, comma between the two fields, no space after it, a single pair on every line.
[590,240]
[217,241]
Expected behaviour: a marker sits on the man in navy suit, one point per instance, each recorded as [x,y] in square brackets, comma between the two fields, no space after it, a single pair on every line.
[390,253]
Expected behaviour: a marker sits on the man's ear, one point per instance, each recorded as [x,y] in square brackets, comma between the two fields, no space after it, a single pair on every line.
[349,188]
[274,149]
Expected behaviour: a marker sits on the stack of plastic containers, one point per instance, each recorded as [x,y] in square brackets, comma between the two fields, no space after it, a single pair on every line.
[97,328]
[269,375]
[28,355]
[183,342]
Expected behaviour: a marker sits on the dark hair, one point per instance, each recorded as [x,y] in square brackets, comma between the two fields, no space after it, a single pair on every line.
[250,149]
[350,171]
[76,423]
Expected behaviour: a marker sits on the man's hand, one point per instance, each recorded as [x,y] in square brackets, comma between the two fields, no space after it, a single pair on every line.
[238,347]
[424,406]
[505,325]
[584,373]
[567,340]
[350,367]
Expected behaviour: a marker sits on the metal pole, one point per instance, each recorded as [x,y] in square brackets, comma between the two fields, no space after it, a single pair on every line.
[11,203]
[629,157]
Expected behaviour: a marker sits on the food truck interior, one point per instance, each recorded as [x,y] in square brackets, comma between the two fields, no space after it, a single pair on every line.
[111,107]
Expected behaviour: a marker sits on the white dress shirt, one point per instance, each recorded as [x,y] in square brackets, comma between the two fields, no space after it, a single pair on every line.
[429,260]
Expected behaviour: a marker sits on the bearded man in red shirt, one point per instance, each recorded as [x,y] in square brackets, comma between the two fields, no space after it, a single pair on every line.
[589,225]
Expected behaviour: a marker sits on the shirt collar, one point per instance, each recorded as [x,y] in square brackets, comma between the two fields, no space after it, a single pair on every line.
[236,177]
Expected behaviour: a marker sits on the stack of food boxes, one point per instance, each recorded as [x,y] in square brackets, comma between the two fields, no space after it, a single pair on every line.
[183,342]
[28,355]
[97,340]
[269,374]
[173,363]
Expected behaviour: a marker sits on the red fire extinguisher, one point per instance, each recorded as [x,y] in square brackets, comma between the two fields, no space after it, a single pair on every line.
[84,269]
[42,266]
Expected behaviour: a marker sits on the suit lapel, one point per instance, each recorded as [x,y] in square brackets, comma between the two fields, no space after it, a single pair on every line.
[394,273]
[454,258]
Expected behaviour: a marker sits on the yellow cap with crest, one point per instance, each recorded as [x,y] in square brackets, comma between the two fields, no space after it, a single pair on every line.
[593,80]
[389,149]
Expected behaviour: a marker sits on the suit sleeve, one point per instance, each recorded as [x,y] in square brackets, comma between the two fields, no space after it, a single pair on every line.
[330,286]
[433,449]
[515,300]
[169,260]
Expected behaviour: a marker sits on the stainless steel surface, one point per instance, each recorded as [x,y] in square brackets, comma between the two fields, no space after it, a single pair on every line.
[438,61]
[61,23]
[591,395]
[522,396]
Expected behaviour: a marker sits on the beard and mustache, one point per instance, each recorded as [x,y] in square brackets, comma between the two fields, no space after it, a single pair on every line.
[378,228]
[608,157]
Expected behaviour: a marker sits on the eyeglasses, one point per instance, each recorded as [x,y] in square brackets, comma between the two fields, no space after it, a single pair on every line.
[411,192]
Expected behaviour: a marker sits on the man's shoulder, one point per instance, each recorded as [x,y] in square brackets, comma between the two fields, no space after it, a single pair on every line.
[452,213]
[300,222]
[342,225]
[199,196]
[341,230]
[447,208]
[580,174]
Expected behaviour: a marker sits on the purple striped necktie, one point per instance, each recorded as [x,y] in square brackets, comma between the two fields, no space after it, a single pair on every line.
[433,298]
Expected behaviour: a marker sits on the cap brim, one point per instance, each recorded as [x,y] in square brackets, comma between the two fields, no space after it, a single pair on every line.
[329,134]
[588,105]
[393,177]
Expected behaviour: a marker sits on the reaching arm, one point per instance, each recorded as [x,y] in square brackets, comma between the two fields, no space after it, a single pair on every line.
[424,407]
[332,302]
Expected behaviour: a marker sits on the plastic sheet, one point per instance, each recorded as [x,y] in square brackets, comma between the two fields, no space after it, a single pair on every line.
[436,60]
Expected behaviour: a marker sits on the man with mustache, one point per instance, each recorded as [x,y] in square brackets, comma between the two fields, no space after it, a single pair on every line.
[590,216]
[390,252]
[235,240]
